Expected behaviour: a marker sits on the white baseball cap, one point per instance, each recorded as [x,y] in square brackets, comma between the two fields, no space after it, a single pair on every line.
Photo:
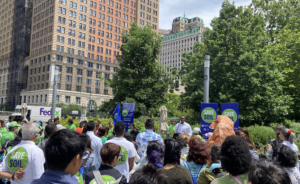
[196,130]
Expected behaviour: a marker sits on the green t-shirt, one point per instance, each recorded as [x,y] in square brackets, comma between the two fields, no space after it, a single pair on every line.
[3,131]
[143,129]
[199,136]
[7,137]
[171,129]
[104,139]
[230,180]
[71,127]
[129,130]
[110,132]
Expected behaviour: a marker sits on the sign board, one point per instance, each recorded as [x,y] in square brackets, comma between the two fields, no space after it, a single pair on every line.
[82,116]
[74,112]
[232,111]
[128,114]
[208,114]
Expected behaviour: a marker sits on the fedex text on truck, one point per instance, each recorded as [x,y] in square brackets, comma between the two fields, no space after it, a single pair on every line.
[47,113]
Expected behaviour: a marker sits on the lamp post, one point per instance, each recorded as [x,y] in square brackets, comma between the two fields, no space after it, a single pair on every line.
[54,75]
[206,79]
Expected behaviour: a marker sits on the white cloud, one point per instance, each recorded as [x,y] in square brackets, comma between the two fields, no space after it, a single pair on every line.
[205,9]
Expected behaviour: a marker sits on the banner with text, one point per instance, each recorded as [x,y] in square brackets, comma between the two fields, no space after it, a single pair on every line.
[208,115]
[232,111]
[128,114]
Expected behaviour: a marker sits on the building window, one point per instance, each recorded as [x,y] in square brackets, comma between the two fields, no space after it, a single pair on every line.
[79,62]
[77,100]
[68,78]
[106,92]
[57,98]
[68,87]
[88,90]
[79,80]
[89,73]
[67,99]
[88,81]
[78,88]
[97,91]
[97,83]
[69,69]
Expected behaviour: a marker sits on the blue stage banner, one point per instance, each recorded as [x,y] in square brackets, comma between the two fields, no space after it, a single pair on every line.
[117,114]
[208,115]
[128,114]
[232,111]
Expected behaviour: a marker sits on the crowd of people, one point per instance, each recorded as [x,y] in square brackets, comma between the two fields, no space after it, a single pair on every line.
[95,154]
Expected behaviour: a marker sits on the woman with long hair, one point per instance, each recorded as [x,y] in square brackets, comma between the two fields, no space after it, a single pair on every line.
[242,132]
[172,169]
[89,161]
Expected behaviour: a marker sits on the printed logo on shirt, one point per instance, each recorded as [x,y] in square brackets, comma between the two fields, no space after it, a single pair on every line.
[107,180]
[123,156]
[231,114]
[208,115]
[79,178]
[17,159]
[6,138]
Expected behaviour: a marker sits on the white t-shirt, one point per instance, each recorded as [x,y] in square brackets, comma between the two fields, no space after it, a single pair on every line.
[6,125]
[184,128]
[127,151]
[27,155]
[96,144]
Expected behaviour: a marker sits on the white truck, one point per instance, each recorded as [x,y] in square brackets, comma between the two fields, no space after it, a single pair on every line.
[39,113]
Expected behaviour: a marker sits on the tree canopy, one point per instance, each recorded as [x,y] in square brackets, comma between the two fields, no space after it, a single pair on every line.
[140,78]
[240,70]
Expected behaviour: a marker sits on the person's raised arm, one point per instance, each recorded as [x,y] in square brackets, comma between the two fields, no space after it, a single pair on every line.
[8,175]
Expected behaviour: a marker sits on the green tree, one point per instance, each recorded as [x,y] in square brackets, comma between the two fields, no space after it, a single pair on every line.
[240,70]
[140,77]
[284,50]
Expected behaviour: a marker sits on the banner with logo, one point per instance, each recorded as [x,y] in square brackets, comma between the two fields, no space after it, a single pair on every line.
[232,111]
[117,114]
[208,115]
[128,114]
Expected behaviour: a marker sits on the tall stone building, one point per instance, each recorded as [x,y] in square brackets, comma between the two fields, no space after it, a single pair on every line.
[82,38]
[148,13]
[185,32]
[15,27]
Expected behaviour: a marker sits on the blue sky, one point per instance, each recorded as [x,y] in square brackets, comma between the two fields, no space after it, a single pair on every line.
[205,9]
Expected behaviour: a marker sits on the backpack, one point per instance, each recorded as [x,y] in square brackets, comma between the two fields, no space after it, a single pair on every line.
[99,178]
[79,174]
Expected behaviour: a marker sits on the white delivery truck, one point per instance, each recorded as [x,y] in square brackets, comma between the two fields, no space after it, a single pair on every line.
[39,113]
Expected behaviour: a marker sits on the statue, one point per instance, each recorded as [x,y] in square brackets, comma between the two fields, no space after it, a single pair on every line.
[83,111]
[163,126]
[24,111]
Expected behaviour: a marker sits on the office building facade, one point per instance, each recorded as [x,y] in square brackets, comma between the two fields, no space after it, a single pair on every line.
[83,39]
[185,32]
[148,13]
[15,21]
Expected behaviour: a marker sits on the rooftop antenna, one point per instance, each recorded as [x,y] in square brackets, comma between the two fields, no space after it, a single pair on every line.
[184,15]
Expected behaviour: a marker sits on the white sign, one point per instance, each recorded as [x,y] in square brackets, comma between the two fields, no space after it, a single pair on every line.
[82,116]
[74,112]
